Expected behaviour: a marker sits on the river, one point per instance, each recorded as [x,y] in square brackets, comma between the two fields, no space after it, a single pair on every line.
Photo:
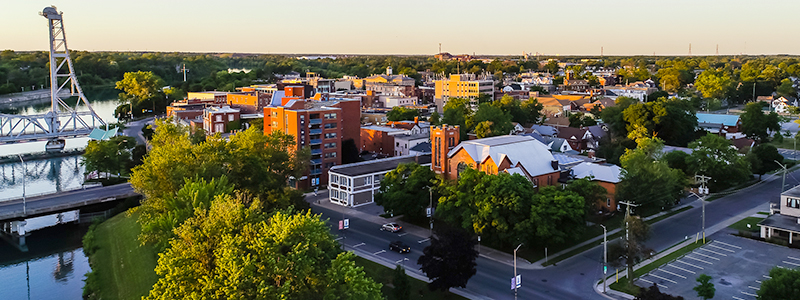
[55,264]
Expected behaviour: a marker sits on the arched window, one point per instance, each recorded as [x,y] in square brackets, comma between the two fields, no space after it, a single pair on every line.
[461,168]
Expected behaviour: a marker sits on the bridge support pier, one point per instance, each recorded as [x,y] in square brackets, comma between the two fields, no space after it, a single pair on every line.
[14,232]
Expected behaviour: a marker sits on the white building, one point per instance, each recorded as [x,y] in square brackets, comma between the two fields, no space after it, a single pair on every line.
[356,184]
[405,142]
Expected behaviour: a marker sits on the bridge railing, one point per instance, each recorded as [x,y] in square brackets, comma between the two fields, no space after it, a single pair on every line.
[82,187]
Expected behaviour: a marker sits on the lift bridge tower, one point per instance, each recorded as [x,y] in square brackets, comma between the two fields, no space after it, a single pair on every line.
[62,121]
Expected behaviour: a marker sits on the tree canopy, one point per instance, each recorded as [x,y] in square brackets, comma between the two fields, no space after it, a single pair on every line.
[110,156]
[647,180]
[714,156]
[783,284]
[406,190]
[399,113]
[756,124]
[449,261]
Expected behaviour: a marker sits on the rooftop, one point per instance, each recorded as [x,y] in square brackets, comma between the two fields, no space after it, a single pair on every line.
[379,165]
[727,120]
[792,192]
[781,222]
[418,136]
[601,172]
[525,151]
[382,128]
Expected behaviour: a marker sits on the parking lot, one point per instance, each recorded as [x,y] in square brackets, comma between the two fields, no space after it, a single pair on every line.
[737,266]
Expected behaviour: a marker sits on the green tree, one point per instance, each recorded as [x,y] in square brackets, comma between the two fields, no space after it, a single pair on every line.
[140,88]
[435,119]
[449,261]
[762,159]
[786,89]
[705,289]
[756,124]
[147,132]
[456,113]
[591,192]
[652,293]
[630,249]
[713,83]
[490,121]
[406,190]
[532,111]
[556,215]
[783,284]
[646,180]
[399,113]
[402,286]
[109,156]
[714,156]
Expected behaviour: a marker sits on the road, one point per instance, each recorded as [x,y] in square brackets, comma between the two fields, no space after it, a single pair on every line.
[61,201]
[572,278]
[134,129]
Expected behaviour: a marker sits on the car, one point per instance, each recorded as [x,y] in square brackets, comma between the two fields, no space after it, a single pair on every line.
[399,247]
[391,227]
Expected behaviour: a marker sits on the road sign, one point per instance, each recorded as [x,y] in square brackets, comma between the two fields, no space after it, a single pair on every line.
[513,283]
[428,212]
[341,225]
[346,223]
[519,281]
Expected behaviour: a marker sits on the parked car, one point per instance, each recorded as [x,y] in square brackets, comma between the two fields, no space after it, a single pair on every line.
[399,247]
[391,227]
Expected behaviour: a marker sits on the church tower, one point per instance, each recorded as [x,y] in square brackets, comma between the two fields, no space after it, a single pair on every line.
[443,139]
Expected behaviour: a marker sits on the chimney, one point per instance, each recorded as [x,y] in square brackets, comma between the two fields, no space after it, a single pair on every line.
[416,120]
[554,164]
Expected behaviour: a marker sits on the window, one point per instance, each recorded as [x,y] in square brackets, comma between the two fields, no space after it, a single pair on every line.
[461,168]
[549,180]
[793,202]
[536,182]
[330,116]
[230,118]
[330,125]
[330,155]
[219,118]
[330,145]
[608,202]
[330,135]
[275,114]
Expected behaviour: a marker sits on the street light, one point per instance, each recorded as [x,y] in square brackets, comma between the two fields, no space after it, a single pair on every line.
[703,192]
[783,183]
[24,201]
[605,256]
[516,283]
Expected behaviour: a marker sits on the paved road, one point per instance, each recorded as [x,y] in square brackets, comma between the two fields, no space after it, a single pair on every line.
[134,129]
[72,199]
[572,278]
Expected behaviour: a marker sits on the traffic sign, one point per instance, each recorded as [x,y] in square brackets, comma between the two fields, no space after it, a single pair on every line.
[519,281]
[341,225]
[346,223]
[513,283]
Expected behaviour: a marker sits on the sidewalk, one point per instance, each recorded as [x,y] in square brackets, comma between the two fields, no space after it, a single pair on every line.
[612,294]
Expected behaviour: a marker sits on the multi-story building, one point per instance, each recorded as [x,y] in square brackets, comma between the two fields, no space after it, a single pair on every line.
[220,119]
[322,126]
[356,184]
[783,222]
[218,98]
[461,86]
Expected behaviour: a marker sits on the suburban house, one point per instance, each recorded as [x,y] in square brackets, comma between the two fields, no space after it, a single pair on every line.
[356,184]
[785,224]
[719,124]
[606,175]
[514,154]
[582,139]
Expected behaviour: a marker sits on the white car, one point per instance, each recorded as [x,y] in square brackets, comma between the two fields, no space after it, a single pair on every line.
[391,227]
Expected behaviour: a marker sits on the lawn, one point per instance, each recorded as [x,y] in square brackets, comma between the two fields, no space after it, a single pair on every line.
[741,225]
[419,289]
[623,286]
[125,268]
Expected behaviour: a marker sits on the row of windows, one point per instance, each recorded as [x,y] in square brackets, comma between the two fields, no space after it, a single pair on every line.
[330,145]
[330,125]
[336,194]
[330,135]
[330,116]
[341,180]
[793,202]
[330,155]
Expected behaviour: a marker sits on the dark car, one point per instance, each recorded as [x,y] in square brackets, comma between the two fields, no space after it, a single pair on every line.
[399,247]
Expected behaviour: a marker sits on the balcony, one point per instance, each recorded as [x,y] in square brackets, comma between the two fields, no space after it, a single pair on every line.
[315,131]
[314,121]
[316,161]
[315,142]
[315,172]
[316,151]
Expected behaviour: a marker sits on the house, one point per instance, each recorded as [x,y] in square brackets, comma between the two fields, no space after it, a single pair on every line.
[637,90]
[781,105]
[742,143]
[544,130]
[785,224]
[557,144]
[356,184]
[579,139]
[719,124]
[405,142]
[513,154]
[606,175]
[421,148]
[379,139]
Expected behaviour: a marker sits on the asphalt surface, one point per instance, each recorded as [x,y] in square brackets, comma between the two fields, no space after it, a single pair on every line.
[134,129]
[66,198]
[572,278]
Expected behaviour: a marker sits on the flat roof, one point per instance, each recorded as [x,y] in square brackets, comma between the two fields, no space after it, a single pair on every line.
[781,222]
[382,128]
[418,136]
[379,165]
[793,192]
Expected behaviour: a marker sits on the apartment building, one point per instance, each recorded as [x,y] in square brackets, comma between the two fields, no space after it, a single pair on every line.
[461,86]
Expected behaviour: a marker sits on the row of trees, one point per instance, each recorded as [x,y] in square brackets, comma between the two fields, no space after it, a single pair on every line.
[227,226]
[491,118]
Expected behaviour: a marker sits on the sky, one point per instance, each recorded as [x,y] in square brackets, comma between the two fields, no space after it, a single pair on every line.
[488,27]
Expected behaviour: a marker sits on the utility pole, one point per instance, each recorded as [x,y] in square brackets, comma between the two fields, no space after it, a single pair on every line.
[783,182]
[430,210]
[627,214]
[184,70]
[703,193]
[605,256]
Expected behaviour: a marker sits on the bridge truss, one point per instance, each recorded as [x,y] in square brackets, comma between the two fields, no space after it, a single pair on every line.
[61,121]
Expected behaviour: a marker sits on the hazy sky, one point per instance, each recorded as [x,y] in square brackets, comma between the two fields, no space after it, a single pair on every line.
[622,27]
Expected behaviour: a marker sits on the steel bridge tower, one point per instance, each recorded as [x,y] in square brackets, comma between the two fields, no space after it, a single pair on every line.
[61,121]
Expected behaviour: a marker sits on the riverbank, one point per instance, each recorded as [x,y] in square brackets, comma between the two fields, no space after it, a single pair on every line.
[30,96]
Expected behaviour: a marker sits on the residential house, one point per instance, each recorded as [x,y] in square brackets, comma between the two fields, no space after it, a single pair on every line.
[405,142]
[606,175]
[718,123]
[421,148]
[637,90]
[785,223]
[582,139]
[356,184]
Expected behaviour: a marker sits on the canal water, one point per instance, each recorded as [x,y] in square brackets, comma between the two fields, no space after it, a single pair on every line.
[55,264]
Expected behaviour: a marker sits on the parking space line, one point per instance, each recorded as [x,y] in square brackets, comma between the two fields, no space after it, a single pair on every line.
[650,282]
[795,258]
[683,262]
[759,281]
[662,278]
[379,252]
[701,254]
[791,263]
[737,298]
[422,241]
[752,287]
[748,294]
[718,247]
[668,272]
[729,245]
[782,267]
[767,277]
[700,260]
[679,268]
[339,238]
[358,245]
[717,253]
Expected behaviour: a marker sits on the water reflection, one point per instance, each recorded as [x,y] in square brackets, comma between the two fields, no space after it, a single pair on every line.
[43,176]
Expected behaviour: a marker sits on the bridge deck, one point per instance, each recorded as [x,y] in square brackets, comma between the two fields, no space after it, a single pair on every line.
[59,202]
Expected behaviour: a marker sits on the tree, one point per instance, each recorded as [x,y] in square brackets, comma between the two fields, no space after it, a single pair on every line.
[783,284]
[652,293]
[233,250]
[406,190]
[449,261]
[714,156]
[713,83]
[557,216]
[489,121]
[630,249]
[402,286]
[532,111]
[705,289]
[762,159]
[147,132]
[456,113]
[198,136]
[591,192]
[399,113]
[434,119]
[786,89]
[109,156]
[646,180]
[756,125]
[140,88]
[540,89]
[350,152]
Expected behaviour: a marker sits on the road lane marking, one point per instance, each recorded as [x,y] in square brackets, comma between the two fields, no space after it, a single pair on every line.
[683,262]
[791,263]
[767,277]
[795,258]
[700,260]
[402,234]
[729,245]
[359,245]
[748,294]
[717,253]
[679,268]
[400,261]
[723,249]
[782,267]
[737,298]
[422,241]
[650,282]
[759,281]
[379,252]
[752,287]
[668,272]
[339,238]
[662,278]
[701,254]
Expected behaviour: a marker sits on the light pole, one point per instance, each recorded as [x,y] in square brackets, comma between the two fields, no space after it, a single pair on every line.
[703,191]
[516,283]
[24,201]
[430,207]
[605,255]
[783,182]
